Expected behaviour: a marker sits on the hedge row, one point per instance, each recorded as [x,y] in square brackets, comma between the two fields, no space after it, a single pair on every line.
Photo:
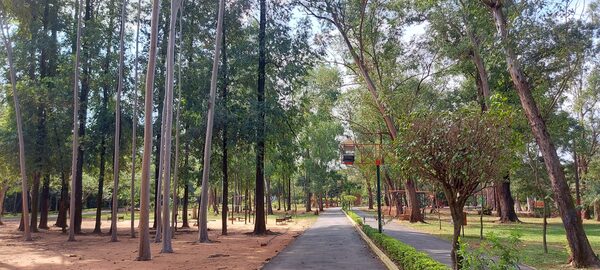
[402,254]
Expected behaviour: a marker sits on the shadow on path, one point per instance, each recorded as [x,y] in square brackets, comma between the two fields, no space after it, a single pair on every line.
[330,243]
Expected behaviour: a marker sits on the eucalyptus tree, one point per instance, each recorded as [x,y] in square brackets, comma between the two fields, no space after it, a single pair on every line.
[13,81]
[75,145]
[168,126]
[203,219]
[260,223]
[134,124]
[144,253]
[582,254]
[116,156]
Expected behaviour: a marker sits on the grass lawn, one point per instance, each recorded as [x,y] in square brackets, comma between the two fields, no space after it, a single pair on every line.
[531,236]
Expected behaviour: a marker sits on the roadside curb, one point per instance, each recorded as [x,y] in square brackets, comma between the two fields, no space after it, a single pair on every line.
[387,262]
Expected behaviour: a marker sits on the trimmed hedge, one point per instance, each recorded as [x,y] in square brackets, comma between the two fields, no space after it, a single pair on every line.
[407,257]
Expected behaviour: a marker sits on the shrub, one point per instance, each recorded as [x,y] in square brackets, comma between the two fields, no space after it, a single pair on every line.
[494,253]
[402,254]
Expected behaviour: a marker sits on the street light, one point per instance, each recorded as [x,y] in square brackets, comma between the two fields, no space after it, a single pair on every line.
[348,152]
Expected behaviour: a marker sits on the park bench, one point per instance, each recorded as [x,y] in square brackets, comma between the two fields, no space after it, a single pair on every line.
[231,219]
[288,218]
[280,221]
[121,217]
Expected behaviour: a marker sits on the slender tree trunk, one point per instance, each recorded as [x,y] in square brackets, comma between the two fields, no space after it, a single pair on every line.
[177,128]
[61,220]
[289,195]
[370,193]
[260,224]
[134,123]
[116,155]
[168,126]
[545,229]
[144,253]
[268,197]
[35,196]
[75,146]
[597,209]
[100,194]
[82,117]
[44,203]
[225,159]
[581,251]
[186,200]
[3,190]
[203,226]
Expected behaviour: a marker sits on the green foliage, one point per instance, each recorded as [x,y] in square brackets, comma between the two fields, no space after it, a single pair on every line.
[407,257]
[495,253]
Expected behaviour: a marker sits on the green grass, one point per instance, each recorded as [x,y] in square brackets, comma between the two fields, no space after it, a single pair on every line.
[531,236]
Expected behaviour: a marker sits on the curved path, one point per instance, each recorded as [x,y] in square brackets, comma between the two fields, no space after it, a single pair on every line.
[330,243]
[437,248]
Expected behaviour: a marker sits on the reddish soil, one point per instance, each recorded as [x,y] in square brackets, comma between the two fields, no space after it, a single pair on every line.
[237,250]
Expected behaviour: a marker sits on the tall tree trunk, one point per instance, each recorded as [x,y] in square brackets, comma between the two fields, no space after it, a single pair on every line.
[289,195]
[225,159]
[581,251]
[82,117]
[144,253]
[308,202]
[75,147]
[168,127]
[177,128]
[117,137]
[44,203]
[63,206]
[100,194]
[3,190]
[186,191]
[370,193]
[203,226]
[506,202]
[134,123]
[597,209]
[260,224]
[268,197]
[35,196]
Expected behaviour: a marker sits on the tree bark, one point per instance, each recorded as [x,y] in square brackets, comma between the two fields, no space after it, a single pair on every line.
[83,105]
[134,124]
[44,203]
[144,253]
[413,203]
[224,139]
[3,190]
[581,251]
[260,227]
[203,226]
[370,194]
[597,209]
[506,202]
[268,197]
[35,196]
[100,194]
[63,206]
[76,134]
[117,137]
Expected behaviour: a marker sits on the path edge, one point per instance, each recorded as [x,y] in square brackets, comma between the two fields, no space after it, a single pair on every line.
[387,262]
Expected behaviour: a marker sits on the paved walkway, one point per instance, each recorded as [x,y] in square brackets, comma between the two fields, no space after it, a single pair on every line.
[438,249]
[330,243]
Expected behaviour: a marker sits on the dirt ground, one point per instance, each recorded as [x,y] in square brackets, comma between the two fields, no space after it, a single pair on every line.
[237,250]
